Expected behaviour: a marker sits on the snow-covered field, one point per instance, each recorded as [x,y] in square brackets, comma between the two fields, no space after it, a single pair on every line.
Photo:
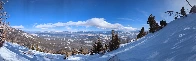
[175,42]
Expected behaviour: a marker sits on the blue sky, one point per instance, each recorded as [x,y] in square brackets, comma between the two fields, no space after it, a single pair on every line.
[87,15]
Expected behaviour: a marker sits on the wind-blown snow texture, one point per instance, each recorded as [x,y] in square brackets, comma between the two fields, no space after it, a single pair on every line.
[175,42]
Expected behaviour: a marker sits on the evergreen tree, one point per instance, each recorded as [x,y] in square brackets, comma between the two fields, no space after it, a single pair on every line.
[115,42]
[106,47]
[183,13]
[99,46]
[111,46]
[91,52]
[141,34]
[157,27]
[94,50]
[152,23]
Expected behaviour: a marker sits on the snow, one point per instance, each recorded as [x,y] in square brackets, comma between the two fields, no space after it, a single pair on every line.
[34,34]
[10,55]
[175,42]
[27,35]
[14,52]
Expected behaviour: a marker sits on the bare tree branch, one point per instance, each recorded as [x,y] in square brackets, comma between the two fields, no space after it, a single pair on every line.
[189,3]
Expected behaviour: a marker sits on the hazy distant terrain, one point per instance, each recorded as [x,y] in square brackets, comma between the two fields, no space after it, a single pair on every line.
[54,41]
[85,39]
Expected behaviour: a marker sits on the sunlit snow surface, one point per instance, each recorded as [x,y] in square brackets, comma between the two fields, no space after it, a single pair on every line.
[175,42]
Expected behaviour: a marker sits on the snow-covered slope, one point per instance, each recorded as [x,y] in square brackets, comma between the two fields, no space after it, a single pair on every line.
[175,42]
[15,52]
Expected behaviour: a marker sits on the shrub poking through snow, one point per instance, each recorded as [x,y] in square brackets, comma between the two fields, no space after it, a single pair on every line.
[163,23]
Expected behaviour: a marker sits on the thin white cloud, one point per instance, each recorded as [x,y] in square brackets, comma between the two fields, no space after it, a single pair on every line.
[143,12]
[18,27]
[145,24]
[126,19]
[68,28]
[94,22]
[45,26]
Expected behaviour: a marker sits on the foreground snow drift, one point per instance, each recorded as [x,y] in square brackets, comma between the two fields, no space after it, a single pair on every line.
[14,52]
[175,42]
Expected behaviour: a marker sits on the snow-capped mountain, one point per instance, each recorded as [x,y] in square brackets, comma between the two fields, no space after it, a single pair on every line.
[175,42]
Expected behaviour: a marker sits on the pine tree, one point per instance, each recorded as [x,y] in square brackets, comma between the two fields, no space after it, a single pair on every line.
[111,46]
[106,47]
[94,50]
[183,13]
[115,42]
[99,46]
[91,52]
[141,34]
[157,27]
[152,23]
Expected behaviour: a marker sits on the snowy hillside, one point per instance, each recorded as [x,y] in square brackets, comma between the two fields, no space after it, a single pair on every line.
[15,52]
[175,42]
